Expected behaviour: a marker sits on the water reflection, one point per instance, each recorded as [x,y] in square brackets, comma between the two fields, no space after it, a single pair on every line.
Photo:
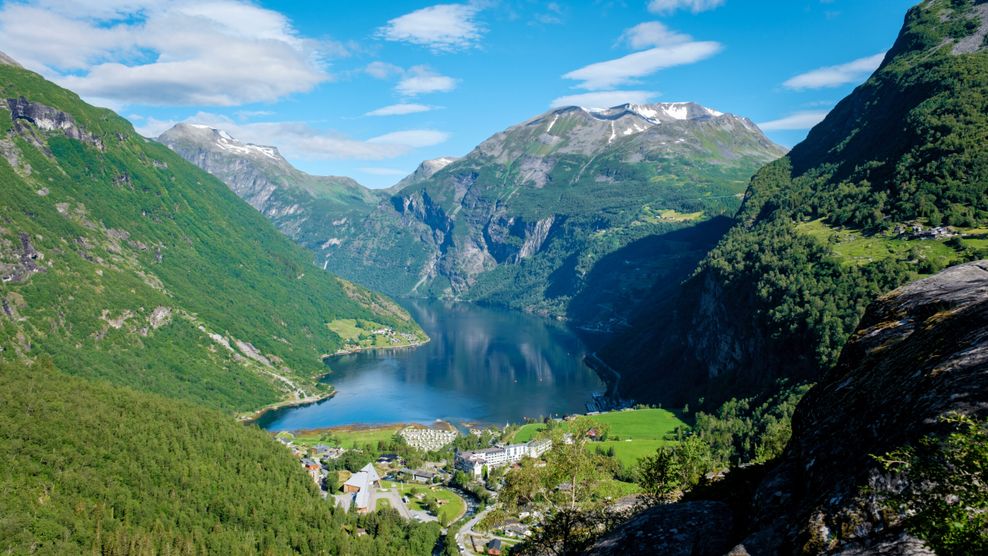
[483,365]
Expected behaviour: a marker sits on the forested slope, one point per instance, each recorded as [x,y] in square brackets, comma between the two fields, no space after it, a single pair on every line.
[855,210]
[93,468]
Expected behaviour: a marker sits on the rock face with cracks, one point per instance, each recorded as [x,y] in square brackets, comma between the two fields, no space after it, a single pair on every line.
[919,354]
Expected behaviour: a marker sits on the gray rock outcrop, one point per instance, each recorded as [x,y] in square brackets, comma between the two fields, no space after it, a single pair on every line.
[920,353]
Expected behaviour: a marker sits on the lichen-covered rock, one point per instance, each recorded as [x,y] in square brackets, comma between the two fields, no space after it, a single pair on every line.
[687,529]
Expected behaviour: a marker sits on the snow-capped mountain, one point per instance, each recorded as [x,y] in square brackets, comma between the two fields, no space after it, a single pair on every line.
[554,193]
[262,177]
[426,170]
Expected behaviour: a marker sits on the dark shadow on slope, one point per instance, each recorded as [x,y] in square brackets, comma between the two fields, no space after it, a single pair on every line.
[632,283]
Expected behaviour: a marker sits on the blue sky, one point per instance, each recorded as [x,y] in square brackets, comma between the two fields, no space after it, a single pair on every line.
[369,89]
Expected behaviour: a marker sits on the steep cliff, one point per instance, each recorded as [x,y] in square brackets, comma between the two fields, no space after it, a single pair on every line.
[916,366]
[526,218]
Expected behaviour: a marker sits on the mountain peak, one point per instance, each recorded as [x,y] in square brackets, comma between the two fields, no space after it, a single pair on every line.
[656,113]
[218,138]
[426,170]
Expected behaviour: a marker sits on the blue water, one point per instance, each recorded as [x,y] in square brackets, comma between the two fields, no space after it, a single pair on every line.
[482,366]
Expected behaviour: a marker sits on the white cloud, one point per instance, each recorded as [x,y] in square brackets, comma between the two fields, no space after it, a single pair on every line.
[443,27]
[695,6]
[834,76]
[179,52]
[652,33]
[797,121]
[416,80]
[605,99]
[412,138]
[420,80]
[251,114]
[298,140]
[613,73]
[400,109]
[383,70]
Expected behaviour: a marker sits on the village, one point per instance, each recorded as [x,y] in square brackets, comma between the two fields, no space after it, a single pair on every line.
[418,473]
[362,335]
[453,476]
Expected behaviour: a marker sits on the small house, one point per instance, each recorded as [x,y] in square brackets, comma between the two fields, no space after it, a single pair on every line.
[388,459]
[494,547]
[418,476]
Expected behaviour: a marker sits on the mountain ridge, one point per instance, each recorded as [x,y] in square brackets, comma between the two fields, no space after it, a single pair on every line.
[123,262]
[473,227]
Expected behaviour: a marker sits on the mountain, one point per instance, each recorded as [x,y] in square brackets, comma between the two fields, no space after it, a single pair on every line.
[309,209]
[123,262]
[91,468]
[891,185]
[523,220]
[625,200]
[426,170]
[887,454]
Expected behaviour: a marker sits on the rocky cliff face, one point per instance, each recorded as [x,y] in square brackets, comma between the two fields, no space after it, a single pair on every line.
[920,353]
[426,170]
[313,210]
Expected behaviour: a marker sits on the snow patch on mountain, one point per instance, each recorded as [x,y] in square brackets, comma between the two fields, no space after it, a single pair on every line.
[228,143]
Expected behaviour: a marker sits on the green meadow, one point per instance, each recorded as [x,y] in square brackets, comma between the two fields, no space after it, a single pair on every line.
[632,433]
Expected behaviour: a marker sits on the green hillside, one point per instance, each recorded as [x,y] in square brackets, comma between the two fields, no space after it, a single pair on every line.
[92,468]
[123,262]
[892,185]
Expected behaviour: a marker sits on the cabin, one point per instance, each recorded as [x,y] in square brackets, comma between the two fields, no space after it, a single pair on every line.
[494,547]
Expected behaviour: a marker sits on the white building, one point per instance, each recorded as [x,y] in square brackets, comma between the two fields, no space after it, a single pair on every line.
[475,461]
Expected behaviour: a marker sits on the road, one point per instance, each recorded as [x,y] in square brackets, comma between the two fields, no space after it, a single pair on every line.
[467,529]
[393,498]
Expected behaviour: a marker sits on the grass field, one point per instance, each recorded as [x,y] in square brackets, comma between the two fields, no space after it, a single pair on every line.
[527,432]
[655,216]
[347,437]
[614,489]
[453,508]
[855,248]
[628,452]
[365,334]
[633,434]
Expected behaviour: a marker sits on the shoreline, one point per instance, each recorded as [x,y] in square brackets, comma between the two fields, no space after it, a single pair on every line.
[253,417]
[610,376]
[356,427]
[375,348]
